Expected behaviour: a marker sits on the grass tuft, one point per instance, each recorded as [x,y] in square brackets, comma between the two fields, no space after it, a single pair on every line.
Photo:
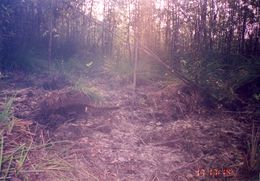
[22,155]
[6,114]
[252,157]
[90,91]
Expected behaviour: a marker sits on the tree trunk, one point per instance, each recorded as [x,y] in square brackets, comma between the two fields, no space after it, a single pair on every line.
[50,37]
[128,33]
[242,50]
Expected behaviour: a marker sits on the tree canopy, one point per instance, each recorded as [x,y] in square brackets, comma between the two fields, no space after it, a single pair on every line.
[212,43]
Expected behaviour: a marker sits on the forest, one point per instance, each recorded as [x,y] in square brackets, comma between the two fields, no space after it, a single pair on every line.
[129,90]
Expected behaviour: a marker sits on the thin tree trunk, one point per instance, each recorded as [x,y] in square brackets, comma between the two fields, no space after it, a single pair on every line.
[243,32]
[103,29]
[203,25]
[50,37]
[128,32]
[136,55]
[135,63]
[211,26]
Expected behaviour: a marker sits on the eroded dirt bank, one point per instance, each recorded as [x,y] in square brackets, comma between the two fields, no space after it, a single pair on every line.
[159,138]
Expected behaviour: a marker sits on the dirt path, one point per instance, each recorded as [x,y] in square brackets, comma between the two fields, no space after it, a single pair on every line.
[145,142]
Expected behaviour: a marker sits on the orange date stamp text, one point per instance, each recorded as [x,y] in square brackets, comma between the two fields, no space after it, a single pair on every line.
[216,172]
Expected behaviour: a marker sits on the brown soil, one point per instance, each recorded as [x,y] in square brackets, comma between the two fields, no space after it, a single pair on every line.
[163,135]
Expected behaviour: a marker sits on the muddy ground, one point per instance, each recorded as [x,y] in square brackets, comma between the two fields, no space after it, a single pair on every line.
[157,137]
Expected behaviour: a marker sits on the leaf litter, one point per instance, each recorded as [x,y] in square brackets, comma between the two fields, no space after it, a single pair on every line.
[160,137]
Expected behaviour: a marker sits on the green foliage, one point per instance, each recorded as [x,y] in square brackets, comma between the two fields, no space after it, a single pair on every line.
[15,160]
[27,61]
[119,67]
[6,114]
[16,144]
[222,76]
[122,68]
[5,19]
[92,92]
[18,155]
[15,151]
[76,66]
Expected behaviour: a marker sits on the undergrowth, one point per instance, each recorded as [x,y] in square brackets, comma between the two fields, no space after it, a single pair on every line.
[228,79]
[75,66]
[252,157]
[90,91]
[6,114]
[26,155]
[120,68]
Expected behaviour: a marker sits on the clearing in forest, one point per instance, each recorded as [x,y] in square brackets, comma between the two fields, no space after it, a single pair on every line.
[158,137]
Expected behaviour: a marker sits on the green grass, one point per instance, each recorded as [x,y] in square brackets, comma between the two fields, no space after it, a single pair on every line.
[6,114]
[26,155]
[90,91]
